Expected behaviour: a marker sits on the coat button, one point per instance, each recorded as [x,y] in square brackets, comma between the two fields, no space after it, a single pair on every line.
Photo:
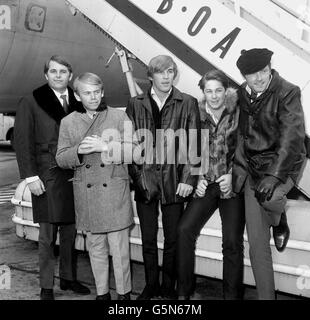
[104,184]
[102,165]
[88,185]
[87,166]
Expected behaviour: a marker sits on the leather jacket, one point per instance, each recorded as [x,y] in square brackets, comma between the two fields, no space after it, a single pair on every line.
[158,180]
[271,133]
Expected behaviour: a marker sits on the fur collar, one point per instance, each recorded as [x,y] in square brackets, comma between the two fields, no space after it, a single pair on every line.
[230,103]
[47,100]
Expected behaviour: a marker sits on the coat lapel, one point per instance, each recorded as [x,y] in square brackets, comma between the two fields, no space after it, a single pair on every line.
[47,100]
[146,102]
[145,98]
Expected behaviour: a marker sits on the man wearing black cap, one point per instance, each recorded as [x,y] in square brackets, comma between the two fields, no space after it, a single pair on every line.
[268,158]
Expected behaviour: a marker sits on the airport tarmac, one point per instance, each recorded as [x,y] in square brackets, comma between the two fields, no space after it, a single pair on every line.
[21,256]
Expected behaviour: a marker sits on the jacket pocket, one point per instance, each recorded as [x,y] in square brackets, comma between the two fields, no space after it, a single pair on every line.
[261,162]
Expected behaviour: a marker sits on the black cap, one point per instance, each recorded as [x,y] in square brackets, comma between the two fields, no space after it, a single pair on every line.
[253,60]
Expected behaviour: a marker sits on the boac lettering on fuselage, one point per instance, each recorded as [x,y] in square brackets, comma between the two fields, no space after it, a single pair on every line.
[197,24]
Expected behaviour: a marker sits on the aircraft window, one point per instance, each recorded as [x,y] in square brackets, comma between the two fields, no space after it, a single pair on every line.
[35,18]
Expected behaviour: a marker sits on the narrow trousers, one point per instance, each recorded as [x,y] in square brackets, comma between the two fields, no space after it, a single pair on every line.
[117,244]
[148,216]
[196,215]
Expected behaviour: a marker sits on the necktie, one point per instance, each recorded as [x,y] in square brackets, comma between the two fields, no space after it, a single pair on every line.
[253,95]
[64,104]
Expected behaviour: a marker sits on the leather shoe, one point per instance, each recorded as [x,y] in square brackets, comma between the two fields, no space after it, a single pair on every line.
[47,294]
[281,233]
[74,285]
[106,297]
[148,293]
[125,296]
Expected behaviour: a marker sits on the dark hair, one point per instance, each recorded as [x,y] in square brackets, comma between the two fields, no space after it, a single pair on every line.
[214,75]
[161,63]
[59,59]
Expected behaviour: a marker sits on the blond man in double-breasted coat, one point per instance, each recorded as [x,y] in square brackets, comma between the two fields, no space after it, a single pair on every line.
[100,183]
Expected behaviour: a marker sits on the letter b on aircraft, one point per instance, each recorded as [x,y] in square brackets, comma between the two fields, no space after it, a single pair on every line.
[165,6]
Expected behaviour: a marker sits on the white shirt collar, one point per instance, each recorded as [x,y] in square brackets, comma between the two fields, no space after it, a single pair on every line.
[60,94]
[209,111]
[157,100]
[92,116]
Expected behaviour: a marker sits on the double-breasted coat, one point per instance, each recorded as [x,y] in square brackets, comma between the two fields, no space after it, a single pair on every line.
[36,134]
[101,188]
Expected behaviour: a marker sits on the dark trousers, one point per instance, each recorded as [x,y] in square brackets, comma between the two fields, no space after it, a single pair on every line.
[197,213]
[47,239]
[148,216]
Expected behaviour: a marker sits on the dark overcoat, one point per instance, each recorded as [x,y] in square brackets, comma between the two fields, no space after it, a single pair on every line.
[36,134]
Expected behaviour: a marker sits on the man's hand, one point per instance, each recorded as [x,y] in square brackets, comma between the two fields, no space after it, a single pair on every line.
[225,183]
[184,189]
[201,188]
[265,188]
[36,187]
[92,144]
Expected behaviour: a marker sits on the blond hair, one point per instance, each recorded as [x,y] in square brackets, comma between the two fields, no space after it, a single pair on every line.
[89,78]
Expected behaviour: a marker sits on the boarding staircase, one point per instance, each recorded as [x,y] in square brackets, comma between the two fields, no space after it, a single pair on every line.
[201,35]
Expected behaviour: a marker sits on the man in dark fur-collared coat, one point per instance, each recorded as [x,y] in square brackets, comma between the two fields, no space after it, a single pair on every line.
[36,134]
